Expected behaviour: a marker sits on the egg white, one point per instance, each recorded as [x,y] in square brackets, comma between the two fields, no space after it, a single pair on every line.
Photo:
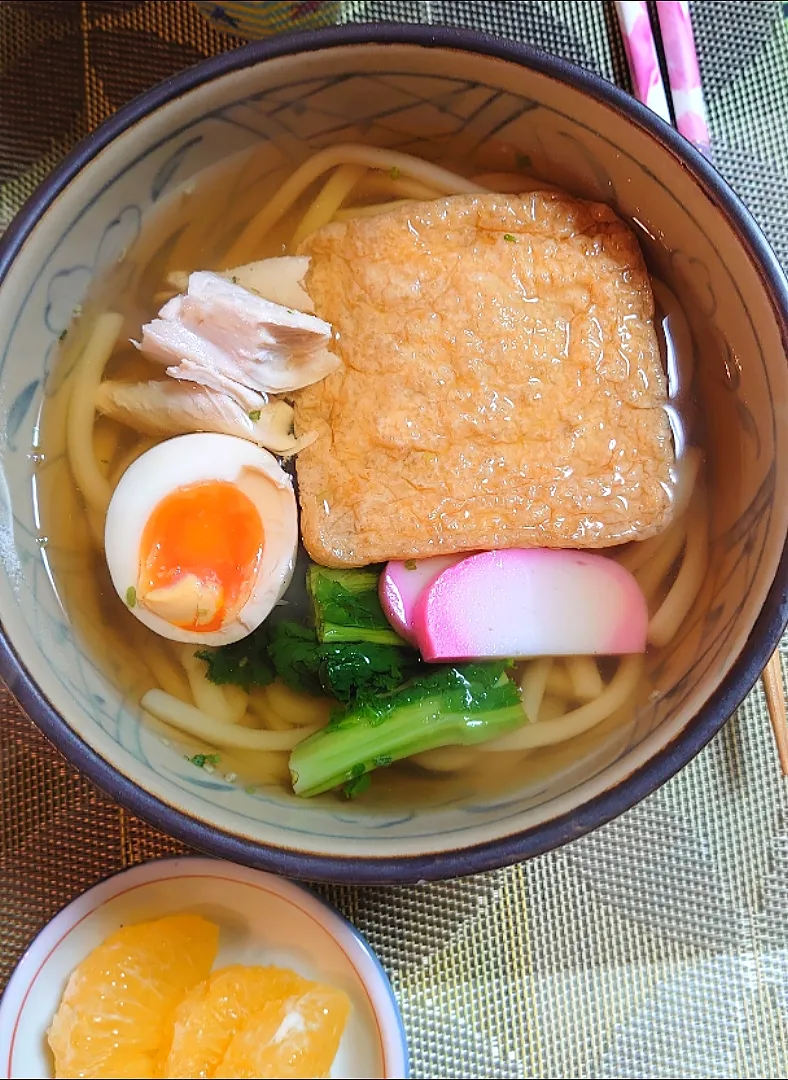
[189,459]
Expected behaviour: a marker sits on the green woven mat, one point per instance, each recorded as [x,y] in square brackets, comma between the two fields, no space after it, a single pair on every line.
[657,947]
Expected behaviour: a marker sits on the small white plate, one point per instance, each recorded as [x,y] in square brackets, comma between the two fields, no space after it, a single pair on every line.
[263,919]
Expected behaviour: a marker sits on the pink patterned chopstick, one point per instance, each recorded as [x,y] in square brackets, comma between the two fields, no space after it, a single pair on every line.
[678,42]
[642,56]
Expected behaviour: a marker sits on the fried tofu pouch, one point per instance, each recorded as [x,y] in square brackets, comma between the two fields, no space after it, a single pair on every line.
[501,383]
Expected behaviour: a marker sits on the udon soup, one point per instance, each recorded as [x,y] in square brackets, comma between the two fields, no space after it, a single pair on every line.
[372,477]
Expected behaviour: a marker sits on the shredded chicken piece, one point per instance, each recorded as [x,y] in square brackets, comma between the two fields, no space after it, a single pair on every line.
[175,408]
[189,371]
[202,362]
[279,280]
[220,328]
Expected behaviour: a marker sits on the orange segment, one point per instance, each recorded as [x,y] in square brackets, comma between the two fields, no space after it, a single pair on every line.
[212,1013]
[117,1006]
[288,1039]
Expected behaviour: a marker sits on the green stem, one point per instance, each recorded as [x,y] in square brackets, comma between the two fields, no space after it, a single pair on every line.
[330,758]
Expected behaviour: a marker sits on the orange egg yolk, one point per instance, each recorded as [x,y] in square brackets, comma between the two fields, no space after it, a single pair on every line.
[199,554]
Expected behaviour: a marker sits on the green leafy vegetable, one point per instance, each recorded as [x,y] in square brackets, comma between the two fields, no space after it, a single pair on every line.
[347,612]
[295,654]
[131,596]
[201,760]
[353,788]
[349,671]
[509,238]
[352,653]
[460,704]
[255,415]
[244,663]
[347,607]
[395,172]
[358,672]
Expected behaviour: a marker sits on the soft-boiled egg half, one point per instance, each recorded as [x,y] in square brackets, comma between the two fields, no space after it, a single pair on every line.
[201,537]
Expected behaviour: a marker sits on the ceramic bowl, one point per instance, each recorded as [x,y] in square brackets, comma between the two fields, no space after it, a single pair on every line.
[262,919]
[432,91]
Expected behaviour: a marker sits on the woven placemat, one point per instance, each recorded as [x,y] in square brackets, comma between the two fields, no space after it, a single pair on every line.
[657,947]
